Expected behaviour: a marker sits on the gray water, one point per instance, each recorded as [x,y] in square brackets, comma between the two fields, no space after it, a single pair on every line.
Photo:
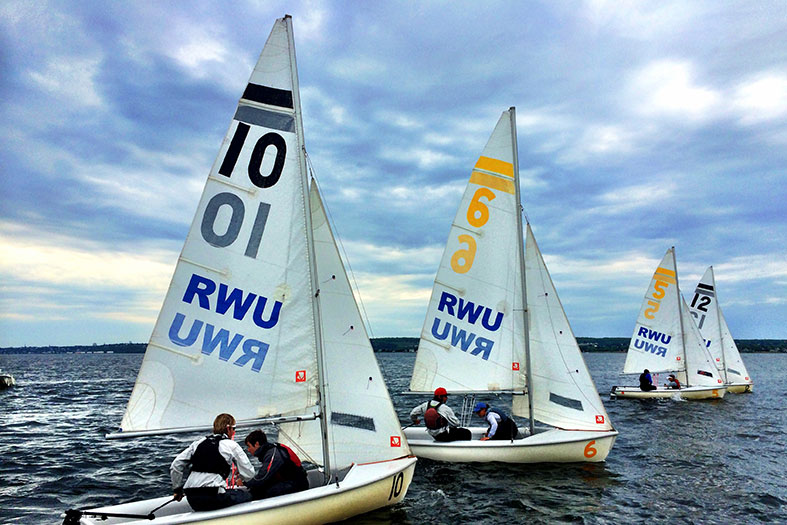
[674,462]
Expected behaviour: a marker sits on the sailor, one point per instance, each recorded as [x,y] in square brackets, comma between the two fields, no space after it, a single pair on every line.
[673,382]
[500,425]
[211,459]
[646,382]
[440,420]
[281,471]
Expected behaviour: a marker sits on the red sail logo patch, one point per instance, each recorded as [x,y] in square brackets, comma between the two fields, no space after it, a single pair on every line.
[396,441]
[300,376]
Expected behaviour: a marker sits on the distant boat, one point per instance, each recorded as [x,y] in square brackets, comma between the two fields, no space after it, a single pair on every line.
[260,322]
[6,380]
[706,310]
[666,339]
[484,333]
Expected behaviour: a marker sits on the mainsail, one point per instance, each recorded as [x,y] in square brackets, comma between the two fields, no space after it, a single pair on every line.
[472,338]
[259,320]
[666,338]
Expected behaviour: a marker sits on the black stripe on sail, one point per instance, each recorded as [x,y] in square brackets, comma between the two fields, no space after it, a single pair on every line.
[705,286]
[565,401]
[733,371]
[264,118]
[268,95]
[352,421]
[704,373]
[704,292]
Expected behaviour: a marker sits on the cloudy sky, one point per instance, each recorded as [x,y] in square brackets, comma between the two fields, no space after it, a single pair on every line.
[641,125]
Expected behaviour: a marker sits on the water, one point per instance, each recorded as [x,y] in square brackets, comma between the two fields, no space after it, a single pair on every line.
[674,461]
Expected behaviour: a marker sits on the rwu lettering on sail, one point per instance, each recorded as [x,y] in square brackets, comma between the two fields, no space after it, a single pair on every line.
[649,340]
[481,317]
[237,304]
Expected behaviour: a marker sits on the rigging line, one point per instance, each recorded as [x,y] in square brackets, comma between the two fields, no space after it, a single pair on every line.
[341,244]
[304,454]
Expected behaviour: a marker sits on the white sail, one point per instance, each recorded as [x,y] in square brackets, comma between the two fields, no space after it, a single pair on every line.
[666,338]
[736,370]
[700,370]
[363,425]
[657,343]
[564,393]
[468,339]
[706,309]
[235,333]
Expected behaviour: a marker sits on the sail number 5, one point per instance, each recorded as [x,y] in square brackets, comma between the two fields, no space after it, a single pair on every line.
[477,216]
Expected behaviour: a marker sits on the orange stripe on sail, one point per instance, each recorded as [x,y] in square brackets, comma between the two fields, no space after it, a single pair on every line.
[500,167]
[492,181]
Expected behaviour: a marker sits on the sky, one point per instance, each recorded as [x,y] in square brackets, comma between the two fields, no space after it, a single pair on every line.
[641,125]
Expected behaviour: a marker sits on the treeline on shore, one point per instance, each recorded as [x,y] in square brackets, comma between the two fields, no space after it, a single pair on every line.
[392,344]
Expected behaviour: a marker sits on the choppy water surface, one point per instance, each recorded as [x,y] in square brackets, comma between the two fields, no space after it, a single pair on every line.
[674,461]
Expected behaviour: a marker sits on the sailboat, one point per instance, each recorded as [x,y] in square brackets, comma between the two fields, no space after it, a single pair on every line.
[495,325]
[707,312]
[666,339]
[260,322]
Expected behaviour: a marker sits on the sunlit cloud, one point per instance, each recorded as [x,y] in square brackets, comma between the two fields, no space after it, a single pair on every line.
[763,98]
[668,88]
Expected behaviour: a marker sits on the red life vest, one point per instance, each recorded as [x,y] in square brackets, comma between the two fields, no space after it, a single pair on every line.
[433,419]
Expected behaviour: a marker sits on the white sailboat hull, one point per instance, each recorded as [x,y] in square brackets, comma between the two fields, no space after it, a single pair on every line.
[552,446]
[692,392]
[365,488]
[739,388]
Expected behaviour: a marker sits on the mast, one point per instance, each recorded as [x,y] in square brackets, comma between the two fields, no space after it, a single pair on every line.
[321,387]
[718,322]
[521,252]
[680,316]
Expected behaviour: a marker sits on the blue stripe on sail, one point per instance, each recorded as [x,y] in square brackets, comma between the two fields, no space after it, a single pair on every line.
[265,118]
[565,401]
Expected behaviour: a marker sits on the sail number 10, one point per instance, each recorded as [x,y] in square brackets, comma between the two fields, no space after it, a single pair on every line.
[235,203]
[477,216]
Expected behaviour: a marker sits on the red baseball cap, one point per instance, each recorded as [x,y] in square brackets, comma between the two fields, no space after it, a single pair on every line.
[440,392]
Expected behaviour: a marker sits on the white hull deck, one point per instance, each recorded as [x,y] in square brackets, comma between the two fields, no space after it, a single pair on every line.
[739,388]
[365,488]
[551,446]
[692,392]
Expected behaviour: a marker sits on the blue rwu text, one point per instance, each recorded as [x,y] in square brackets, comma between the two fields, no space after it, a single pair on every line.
[462,339]
[253,351]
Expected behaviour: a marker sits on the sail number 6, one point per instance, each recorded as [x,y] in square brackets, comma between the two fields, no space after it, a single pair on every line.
[589,450]
[477,216]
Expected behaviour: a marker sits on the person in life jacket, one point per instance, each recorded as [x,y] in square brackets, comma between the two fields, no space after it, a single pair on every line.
[500,425]
[210,459]
[672,382]
[440,420]
[646,381]
[280,471]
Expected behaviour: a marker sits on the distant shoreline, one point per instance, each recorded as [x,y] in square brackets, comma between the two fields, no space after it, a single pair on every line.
[393,344]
